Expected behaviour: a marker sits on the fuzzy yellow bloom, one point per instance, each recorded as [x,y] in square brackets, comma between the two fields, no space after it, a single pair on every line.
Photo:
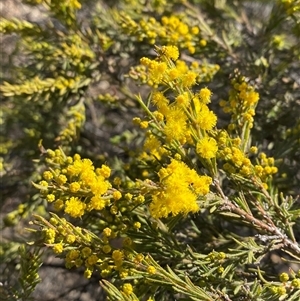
[152,143]
[247,117]
[159,100]
[104,171]
[50,236]
[107,232]
[296,283]
[139,199]
[91,260]
[192,49]
[177,194]
[145,173]
[207,148]
[137,225]
[74,187]
[182,66]
[157,70]
[274,169]
[183,99]
[73,254]
[58,205]
[138,258]
[144,124]
[203,42]
[173,73]
[127,289]
[106,249]
[171,52]
[88,177]
[88,273]
[105,273]
[74,207]
[229,168]
[259,170]
[175,128]
[47,175]
[96,203]
[50,198]
[98,185]
[127,242]
[267,170]
[251,98]
[183,29]
[238,157]
[62,179]
[70,238]
[117,255]
[117,195]
[80,166]
[76,157]
[206,119]
[145,61]
[201,184]
[58,248]
[189,79]
[123,273]
[205,95]
[195,30]
[86,252]
[151,269]
[253,150]
[136,120]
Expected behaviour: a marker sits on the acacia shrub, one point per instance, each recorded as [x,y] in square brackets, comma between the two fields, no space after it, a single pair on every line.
[199,191]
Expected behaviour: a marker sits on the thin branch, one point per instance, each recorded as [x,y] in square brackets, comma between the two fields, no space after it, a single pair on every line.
[268,227]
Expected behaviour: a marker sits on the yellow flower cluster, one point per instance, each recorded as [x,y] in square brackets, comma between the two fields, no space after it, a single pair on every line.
[170,30]
[127,289]
[291,6]
[182,116]
[80,247]
[76,187]
[108,98]
[38,85]
[241,103]
[207,148]
[153,146]
[63,9]
[237,161]
[15,25]
[180,187]
[204,71]
[266,168]
[59,234]
[75,120]
[287,284]
[72,4]
[74,50]
[164,71]
[188,113]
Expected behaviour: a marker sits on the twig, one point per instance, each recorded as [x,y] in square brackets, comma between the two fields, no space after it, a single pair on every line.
[268,227]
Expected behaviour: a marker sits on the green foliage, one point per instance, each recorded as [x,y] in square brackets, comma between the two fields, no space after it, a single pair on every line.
[28,262]
[192,200]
